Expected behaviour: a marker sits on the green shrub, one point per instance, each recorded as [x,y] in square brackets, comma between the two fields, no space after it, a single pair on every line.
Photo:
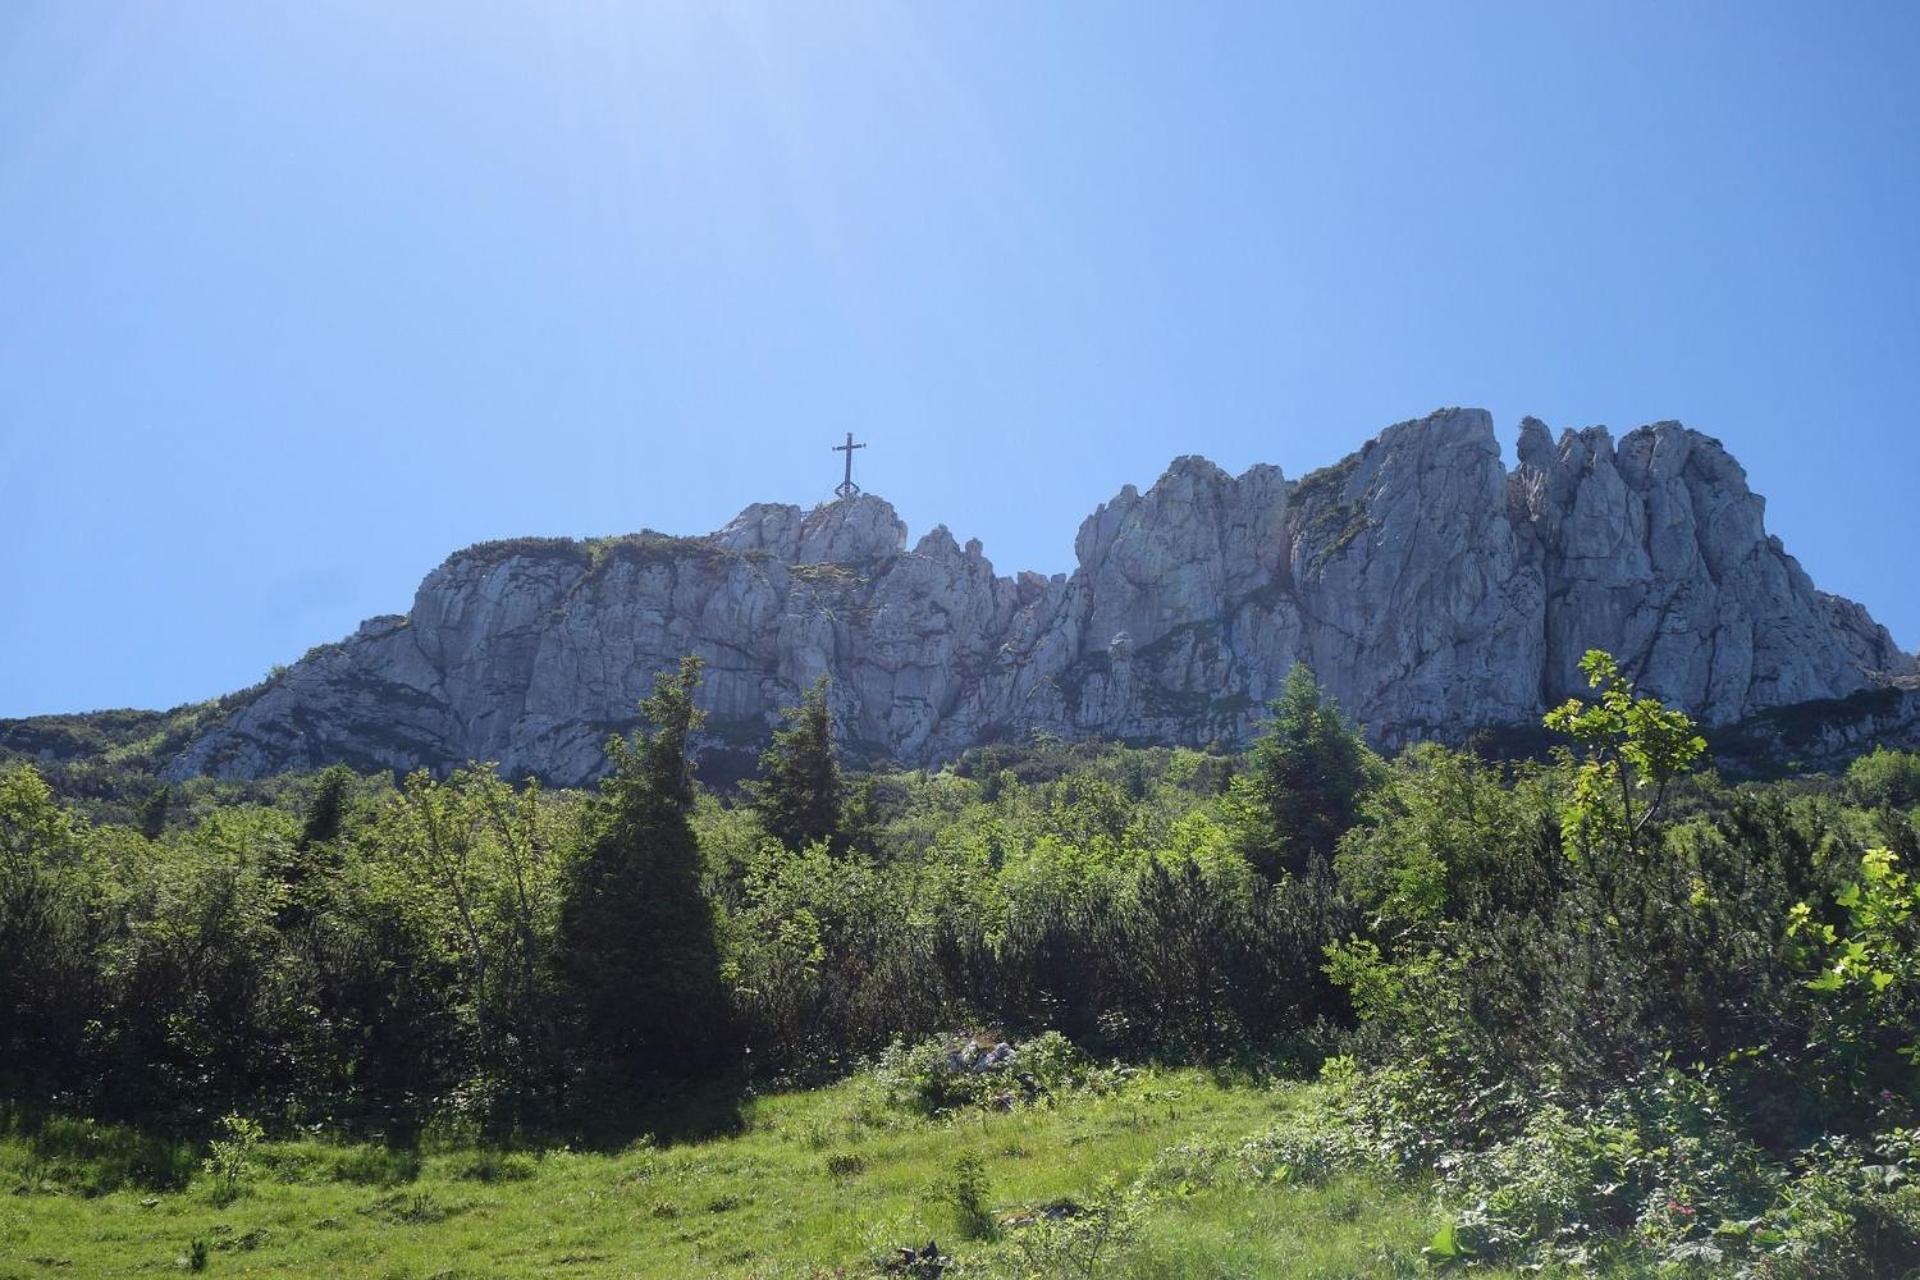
[965,1192]
[923,1078]
[842,1165]
[938,1075]
[1865,975]
[1851,1209]
[1885,777]
[1052,1062]
[230,1156]
[1080,1241]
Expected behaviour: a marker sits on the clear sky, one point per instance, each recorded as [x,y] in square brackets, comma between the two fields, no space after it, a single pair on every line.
[297,298]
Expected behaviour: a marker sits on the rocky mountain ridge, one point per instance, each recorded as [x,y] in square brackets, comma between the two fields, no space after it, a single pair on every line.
[1433,591]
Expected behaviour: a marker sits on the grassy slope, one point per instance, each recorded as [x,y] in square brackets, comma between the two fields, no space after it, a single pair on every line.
[760,1203]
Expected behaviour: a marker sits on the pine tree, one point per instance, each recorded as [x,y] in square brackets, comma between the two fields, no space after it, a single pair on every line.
[152,817]
[640,959]
[328,809]
[1303,782]
[304,867]
[800,794]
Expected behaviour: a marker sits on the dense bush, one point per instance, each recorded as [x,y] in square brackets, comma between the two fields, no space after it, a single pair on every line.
[1884,777]
[469,951]
[1611,1029]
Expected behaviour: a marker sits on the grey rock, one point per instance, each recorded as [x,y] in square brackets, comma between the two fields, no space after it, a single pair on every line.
[1657,552]
[1433,591]
[1825,733]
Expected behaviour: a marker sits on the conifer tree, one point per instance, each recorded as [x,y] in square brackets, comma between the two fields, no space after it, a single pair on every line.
[800,794]
[152,817]
[1303,782]
[641,962]
[327,811]
[304,866]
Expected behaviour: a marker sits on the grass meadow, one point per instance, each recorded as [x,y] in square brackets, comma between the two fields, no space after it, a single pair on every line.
[826,1182]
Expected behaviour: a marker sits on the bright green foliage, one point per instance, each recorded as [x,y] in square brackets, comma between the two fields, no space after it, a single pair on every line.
[47,935]
[966,1194]
[800,793]
[1060,902]
[814,1183]
[1447,838]
[202,987]
[1633,749]
[34,831]
[1303,782]
[804,947]
[433,961]
[230,1156]
[934,1077]
[1616,1057]
[920,1078]
[1885,777]
[474,866]
[1085,1245]
[1868,964]
[637,946]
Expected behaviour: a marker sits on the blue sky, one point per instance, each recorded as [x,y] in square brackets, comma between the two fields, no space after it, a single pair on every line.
[301,297]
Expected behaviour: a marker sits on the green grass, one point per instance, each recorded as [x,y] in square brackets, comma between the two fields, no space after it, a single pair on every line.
[1354,1226]
[811,1184]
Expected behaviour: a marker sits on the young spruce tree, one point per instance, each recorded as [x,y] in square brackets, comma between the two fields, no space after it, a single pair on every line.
[152,815]
[326,812]
[800,794]
[1303,781]
[637,948]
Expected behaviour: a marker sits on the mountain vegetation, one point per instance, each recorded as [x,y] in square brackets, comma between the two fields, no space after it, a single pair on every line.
[1065,1009]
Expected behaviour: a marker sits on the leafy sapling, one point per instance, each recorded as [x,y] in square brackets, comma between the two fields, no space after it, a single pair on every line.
[1634,748]
[230,1156]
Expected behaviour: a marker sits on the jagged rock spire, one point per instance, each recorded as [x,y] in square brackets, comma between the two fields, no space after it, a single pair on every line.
[1432,591]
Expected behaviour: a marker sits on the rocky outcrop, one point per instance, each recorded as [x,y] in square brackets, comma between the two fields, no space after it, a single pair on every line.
[1826,733]
[1656,550]
[1432,591]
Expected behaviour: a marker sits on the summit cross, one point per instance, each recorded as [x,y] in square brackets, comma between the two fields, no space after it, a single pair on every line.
[847,488]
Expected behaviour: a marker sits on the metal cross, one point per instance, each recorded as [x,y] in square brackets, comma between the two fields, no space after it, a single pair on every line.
[847,487]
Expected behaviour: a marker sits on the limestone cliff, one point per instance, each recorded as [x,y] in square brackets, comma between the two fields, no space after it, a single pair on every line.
[1433,591]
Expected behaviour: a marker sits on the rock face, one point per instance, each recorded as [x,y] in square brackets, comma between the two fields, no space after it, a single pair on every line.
[1431,590]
